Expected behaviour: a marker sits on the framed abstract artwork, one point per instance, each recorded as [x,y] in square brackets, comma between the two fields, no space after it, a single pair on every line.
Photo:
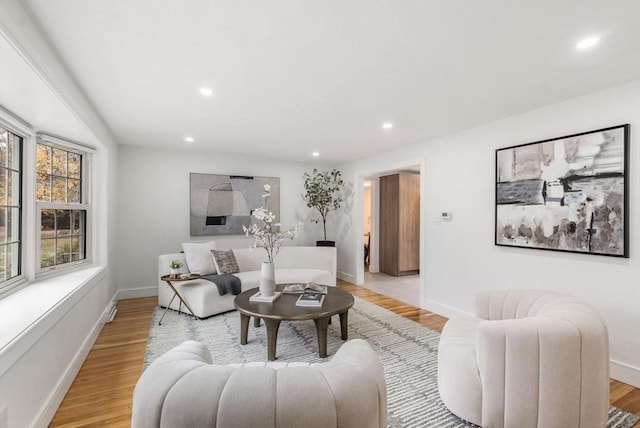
[565,194]
[222,204]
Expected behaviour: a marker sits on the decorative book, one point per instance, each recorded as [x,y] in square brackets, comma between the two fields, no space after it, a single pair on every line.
[313,300]
[310,287]
[259,298]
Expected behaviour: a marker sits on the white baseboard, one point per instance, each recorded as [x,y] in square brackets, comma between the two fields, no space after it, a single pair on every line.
[56,397]
[440,309]
[624,373]
[617,370]
[134,293]
[346,277]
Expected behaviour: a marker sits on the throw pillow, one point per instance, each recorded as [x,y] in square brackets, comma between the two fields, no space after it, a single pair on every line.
[198,257]
[225,261]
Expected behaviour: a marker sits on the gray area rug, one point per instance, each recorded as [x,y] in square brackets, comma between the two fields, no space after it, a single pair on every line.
[408,351]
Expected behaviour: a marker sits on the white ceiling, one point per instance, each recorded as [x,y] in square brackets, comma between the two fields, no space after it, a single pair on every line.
[293,77]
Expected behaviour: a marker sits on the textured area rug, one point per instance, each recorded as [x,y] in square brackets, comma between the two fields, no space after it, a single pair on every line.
[408,352]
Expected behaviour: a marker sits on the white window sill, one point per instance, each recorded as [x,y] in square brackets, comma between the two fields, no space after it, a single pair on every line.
[21,310]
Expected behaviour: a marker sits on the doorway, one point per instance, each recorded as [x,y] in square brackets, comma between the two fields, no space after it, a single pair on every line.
[404,286]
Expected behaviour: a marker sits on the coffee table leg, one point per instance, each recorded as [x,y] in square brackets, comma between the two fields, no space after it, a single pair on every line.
[272,336]
[244,328]
[256,322]
[321,327]
[344,327]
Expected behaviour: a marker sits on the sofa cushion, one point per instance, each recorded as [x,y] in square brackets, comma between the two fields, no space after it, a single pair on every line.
[251,279]
[225,261]
[199,258]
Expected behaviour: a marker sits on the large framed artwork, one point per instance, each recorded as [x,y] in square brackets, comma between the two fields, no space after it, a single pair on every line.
[222,204]
[565,194]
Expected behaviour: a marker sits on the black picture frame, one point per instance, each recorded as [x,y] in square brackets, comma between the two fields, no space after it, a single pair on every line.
[567,194]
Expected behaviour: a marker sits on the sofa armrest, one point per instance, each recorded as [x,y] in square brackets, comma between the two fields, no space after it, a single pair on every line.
[158,379]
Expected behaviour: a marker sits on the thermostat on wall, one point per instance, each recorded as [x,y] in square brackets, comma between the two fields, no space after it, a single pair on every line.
[447,216]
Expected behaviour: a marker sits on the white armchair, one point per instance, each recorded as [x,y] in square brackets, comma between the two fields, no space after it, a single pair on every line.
[528,359]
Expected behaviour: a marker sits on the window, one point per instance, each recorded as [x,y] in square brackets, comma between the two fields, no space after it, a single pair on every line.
[10,206]
[62,210]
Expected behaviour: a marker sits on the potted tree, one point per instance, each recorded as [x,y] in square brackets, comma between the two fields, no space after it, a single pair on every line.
[323,193]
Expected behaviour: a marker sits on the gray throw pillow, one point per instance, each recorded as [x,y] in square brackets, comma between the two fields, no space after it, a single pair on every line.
[225,261]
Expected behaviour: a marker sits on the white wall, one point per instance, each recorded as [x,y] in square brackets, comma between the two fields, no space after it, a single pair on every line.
[38,366]
[459,257]
[153,201]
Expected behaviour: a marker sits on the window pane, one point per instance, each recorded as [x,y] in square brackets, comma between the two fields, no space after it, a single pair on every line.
[4,147]
[63,222]
[5,271]
[43,159]
[13,224]
[43,188]
[13,186]
[73,191]
[74,165]
[77,222]
[14,152]
[3,225]
[47,224]
[62,236]
[63,250]
[13,260]
[4,188]
[59,189]
[47,252]
[59,162]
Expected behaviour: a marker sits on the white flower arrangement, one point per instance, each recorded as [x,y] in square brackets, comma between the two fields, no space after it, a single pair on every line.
[269,235]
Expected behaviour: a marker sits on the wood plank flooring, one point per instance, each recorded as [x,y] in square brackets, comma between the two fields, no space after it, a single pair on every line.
[101,393]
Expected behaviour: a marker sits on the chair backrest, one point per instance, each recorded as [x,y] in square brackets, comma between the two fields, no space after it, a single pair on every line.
[544,356]
[183,388]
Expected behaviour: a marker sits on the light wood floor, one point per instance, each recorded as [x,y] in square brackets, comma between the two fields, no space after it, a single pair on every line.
[101,393]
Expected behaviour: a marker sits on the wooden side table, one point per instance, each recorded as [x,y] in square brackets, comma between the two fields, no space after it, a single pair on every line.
[168,279]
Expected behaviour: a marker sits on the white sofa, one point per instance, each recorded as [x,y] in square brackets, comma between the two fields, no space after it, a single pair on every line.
[529,358]
[182,388]
[293,265]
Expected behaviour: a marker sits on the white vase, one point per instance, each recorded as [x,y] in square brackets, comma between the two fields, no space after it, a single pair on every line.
[174,272]
[267,279]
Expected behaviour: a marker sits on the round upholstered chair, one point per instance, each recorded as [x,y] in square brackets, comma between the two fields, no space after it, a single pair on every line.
[529,358]
[182,388]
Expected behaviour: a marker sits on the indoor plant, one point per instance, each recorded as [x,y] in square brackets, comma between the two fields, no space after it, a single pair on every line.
[268,235]
[323,193]
[174,267]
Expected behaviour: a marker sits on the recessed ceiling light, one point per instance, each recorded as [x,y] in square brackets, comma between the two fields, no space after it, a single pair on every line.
[387,125]
[206,92]
[189,139]
[588,42]
[315,154]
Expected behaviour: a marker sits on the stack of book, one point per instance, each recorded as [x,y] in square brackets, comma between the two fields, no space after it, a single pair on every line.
[313,300]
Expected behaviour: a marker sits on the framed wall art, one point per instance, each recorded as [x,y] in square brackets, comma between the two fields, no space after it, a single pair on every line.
[565,194]
[222,204]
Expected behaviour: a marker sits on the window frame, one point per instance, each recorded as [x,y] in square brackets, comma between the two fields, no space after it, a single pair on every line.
[12,282]
[24,131]
[85,205]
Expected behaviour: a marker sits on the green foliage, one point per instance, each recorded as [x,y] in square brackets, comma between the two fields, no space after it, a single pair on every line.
[175,264]
[323,192]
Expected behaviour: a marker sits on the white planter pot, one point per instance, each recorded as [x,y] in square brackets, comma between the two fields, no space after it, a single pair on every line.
[267,279]
[174,272]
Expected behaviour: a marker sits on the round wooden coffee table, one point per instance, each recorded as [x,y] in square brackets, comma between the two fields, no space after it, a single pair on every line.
[284,308]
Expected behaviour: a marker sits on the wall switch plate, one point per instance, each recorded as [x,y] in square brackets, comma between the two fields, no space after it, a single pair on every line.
[447,216]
